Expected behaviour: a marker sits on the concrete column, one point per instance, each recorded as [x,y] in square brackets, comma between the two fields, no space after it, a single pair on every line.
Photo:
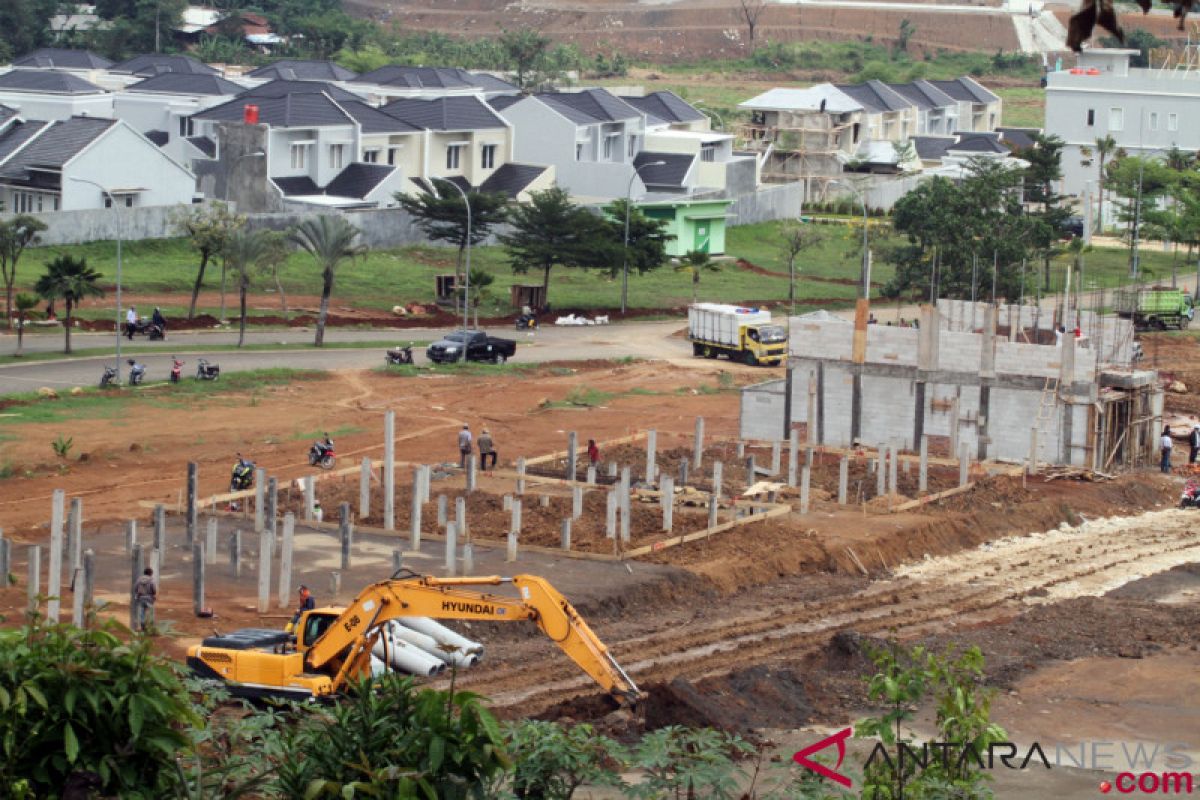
[460,518]
[545,501]
[515,524]
[610,515]
[572,445]
[310,497]
[520,475]
[717,478]
[713,504]
[89,579]
[805,478]
[285,560]
[345,533]
[451,549]
[793,456]
[591,475]
[923,470]
[193,483]
[576,502]
[260,480]
[160,528]
[651,455]
[264,572]
[810,421]
[751,471]
[843,480]
[210,541]
[893,456]
[667,501]
[197,579]
[470,475]
[441,511]
[389,471]
[54,578]
[776,457]
[272,520]
[75,535]
[414,528]
[625,504]
[564,540]
[1033,450]
[741,449]
[136,565]
[335,585]
[130,535]
[698,444]
[954,424]
[468,559]
[426,483]
[964,464]
[612,469]
[397,561]
[235,554]
[364,489]
[987,356]
[683,472]
[881,472]
[77,595]
[510,550]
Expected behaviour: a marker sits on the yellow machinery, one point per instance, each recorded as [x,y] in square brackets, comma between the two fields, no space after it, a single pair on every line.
[332,647]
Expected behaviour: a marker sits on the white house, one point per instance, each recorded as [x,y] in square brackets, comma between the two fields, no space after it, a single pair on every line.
[161,107]
[53,94]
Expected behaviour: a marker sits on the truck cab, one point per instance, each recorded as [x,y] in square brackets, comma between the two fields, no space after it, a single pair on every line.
[767,343]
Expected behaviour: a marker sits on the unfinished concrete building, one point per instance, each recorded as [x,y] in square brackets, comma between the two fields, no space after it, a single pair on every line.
[986,382]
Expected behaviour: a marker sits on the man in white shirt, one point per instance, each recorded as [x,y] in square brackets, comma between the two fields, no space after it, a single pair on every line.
[1165,444]
[131,319]
[464,446]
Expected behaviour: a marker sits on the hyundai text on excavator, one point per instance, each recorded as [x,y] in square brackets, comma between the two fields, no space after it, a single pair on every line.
[332,646]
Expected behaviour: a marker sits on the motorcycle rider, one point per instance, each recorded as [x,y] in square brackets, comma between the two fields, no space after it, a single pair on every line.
[160,321]
[243,474]
[319,449]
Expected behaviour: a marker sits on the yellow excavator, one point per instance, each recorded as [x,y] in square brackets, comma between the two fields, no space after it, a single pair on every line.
[332,646]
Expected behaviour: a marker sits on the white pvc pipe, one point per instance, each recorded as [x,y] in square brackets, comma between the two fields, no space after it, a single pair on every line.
[431,646]
[404,656]
[442,634]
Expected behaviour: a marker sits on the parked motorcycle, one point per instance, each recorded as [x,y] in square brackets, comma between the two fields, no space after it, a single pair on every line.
[1191,494]
[206,371]
[321,454]
[176,369]
[399,355]
[137,372]
[109,378]
[150,329]
[527,322]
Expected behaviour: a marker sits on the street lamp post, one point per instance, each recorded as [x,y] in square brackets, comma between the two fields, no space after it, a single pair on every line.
[625,251]
[707,110]
[113,201]
[467,271]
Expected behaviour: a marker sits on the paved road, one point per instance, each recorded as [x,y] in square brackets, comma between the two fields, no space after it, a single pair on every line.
[638,339]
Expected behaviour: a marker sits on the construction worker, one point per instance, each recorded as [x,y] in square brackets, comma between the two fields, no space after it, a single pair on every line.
[1166,445]
[144,595]
[464,445]
[1194,443]
[307,603]
[486,448]
[593,453]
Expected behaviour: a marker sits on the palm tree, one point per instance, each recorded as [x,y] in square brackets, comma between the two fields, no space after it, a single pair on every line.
[24,304]
[71,280]
[695,262]
[245,249]
[1104,146]
[329,240]
[480,280]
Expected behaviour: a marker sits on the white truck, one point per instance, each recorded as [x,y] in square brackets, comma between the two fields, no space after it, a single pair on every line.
[744,334]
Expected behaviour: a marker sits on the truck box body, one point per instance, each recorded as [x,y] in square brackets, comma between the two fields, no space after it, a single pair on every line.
[714,322]
[1155,307]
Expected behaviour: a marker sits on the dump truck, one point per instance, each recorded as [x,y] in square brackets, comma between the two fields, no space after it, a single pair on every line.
[1155,308]
[332,647]
[741,333]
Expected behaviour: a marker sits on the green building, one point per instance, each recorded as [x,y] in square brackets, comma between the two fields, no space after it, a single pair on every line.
[695,224]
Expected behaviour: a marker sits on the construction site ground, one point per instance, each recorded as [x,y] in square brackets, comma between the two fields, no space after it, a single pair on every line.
[1090,632]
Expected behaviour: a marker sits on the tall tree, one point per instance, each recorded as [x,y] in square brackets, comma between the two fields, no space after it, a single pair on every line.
[329,240]
[71,280]
[24,304]
[276,257]
[1105,146]
[747,12]
[139,26]
[1041,176]
[207,228]
[694,263]
[443,218]
[552,231]
[1140,182]
[24,25]
[15,235]
[648,239]
[526,51]
[796,237]
[244,250]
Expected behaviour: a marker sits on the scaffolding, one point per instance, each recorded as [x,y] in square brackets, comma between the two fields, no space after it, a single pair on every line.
[798,146]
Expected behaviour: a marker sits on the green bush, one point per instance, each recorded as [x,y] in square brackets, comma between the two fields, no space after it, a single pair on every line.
[82,706]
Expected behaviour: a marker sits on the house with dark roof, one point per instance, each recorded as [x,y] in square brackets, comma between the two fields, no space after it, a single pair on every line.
[590,137]
[464,136]
[397,81]
[61,58]
[937,112]
[162,106]
[158,63]
[888,116]
[664,109]
[978,108]
[46,166]
[53,94]
[297,69]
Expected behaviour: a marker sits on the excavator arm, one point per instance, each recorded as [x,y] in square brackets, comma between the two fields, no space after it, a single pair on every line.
[352,635]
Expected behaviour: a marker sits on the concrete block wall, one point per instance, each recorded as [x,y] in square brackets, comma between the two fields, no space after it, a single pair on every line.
[1110,337]
[887,344]
[1018,358]
[960,352]
[889,408]
[837,405]
[822,338]
[762,411]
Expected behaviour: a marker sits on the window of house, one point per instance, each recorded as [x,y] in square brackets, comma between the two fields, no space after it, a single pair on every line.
[393,154]
[487,156]
[1091,116]
[632,147]
[579,151]
[708,152]
[1172,122]
[612,144]
[453,155]
[186,127]
[337,155]
[122,199]
[299,153]
[371,156]
[1116,119]
[1153,120]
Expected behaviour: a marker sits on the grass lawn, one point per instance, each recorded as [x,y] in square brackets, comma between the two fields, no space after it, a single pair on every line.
[1024,106]
[132,350]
